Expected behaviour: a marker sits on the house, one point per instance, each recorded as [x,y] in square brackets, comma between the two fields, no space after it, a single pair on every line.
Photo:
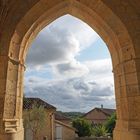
[57,126]
[64,131]
[98,115]
[60,117]
[48,130]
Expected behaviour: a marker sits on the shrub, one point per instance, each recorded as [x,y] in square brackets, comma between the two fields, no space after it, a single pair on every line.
[110,123]
[99,130]
[82,126]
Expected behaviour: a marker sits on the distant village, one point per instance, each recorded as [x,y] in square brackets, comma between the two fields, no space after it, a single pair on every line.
[58,125]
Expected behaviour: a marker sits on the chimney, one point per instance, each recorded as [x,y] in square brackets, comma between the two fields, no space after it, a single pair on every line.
[102,106]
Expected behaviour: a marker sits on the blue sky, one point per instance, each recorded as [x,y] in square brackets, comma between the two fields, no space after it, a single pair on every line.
[69,66]
[97,50]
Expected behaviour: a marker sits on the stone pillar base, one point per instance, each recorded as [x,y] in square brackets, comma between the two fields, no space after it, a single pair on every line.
[19,135]
[126,135]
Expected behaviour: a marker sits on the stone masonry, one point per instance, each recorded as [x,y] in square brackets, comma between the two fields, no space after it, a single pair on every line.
[116,21]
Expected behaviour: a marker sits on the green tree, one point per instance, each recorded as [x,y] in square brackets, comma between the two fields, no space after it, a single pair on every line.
[82,126]
[34,120]
[110,123]
[99,130]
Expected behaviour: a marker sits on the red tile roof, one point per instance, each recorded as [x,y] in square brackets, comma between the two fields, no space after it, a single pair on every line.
[60,117]
[29,102]
[106,111]
[64,124]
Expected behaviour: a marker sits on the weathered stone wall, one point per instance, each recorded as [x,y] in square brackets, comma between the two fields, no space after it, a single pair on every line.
[48,128]
[68,134]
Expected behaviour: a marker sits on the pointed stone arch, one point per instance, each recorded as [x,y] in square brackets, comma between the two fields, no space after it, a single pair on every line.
[99,15]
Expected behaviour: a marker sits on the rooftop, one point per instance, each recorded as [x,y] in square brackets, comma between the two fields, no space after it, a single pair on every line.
[59,116]
[29,102]
[106,111]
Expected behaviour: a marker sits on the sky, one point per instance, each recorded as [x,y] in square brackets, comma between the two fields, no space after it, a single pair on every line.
[69,66]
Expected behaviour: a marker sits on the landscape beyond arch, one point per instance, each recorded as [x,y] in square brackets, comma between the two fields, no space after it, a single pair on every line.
[116,21]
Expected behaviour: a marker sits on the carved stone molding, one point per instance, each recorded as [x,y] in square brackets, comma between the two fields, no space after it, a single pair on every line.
[12,125]
[16,62]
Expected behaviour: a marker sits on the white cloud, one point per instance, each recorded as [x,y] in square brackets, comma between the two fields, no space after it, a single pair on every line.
[57,43]
[56,47]
[85,91]
[64,93]
[77,85]
[70,69]
[82,32]
[101,70]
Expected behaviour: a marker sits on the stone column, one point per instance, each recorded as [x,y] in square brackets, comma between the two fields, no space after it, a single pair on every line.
[11,123]
[127,92]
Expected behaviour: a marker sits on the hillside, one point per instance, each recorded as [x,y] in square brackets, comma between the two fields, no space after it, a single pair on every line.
[71,115]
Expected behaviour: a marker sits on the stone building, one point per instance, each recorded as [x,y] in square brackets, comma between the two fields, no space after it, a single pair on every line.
[57,126]
[60,117]
[63,131]
[48,129]
[98,115]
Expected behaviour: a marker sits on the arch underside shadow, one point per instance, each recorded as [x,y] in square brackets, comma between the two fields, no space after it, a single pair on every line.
[102,19]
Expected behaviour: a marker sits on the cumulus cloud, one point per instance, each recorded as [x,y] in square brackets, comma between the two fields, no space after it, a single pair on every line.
[70,69]
[101,71]
[54,74]
[83,92]
[70,93]
[57,43]
[56,47]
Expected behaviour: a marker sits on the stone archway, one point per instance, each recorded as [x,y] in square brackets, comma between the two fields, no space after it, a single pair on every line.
[116,21]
